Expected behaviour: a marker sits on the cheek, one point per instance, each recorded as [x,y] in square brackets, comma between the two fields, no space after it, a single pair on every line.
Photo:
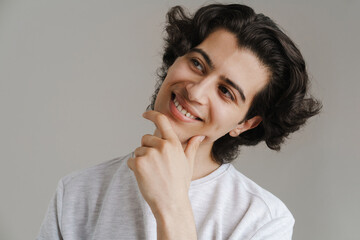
[226,119]
[178,71]
[158,100]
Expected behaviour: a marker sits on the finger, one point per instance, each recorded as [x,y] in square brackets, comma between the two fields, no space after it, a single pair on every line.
[131,163]
[162,123]
[192,147]
[141,151]
[149,140]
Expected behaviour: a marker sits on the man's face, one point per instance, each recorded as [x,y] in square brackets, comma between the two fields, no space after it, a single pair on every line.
[214,84]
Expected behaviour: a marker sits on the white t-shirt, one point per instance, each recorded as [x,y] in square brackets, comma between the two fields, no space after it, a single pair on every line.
[104,202]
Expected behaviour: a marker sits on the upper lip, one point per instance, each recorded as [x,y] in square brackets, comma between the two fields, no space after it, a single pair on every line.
[187,106]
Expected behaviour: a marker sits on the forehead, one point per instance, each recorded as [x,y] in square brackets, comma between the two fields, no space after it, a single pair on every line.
[221,42]
[233,62]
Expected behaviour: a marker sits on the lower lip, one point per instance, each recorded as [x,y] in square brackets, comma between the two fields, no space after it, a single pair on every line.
[178,114]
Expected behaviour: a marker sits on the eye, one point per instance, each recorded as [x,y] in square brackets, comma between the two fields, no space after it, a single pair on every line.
[197,64]
[226,92]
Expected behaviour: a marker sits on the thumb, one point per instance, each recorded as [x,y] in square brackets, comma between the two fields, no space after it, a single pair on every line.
[192,147]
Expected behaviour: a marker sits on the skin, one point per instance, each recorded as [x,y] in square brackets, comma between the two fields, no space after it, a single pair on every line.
[179,151]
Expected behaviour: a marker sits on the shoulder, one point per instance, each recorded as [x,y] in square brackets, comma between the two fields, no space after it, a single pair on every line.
[95,176]
[256,195]
[236,203]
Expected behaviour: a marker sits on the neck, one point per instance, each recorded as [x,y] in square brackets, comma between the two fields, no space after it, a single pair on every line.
[204,162]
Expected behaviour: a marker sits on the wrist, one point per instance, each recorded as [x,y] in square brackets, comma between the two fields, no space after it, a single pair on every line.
[176,221]
[167,211]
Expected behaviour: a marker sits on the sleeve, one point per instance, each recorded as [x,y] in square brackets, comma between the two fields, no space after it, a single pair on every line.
[277,229]
[51,225]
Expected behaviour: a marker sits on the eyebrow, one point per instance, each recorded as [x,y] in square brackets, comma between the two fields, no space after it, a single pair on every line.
[234,85]
[211,65]
[205,56]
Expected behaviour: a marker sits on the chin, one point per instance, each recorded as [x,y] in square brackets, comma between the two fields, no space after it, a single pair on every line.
[183,137]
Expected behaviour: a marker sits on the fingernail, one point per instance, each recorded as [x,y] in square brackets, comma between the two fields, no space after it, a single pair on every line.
[201,138]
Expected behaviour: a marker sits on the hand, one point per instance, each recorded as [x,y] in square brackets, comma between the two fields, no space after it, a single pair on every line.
[163,169]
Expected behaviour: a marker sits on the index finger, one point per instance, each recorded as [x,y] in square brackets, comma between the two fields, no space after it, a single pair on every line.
[162,123]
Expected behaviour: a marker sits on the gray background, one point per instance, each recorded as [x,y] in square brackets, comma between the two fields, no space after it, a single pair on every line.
[75,77]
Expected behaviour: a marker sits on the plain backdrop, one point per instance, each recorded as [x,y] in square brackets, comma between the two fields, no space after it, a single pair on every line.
[75,77]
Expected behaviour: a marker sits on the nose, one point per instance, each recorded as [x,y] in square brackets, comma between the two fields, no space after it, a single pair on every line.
[199,91]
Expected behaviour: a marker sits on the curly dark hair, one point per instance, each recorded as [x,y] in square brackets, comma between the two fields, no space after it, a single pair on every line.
[283,104]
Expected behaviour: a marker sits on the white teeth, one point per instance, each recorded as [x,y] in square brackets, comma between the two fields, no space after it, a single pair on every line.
[182,110]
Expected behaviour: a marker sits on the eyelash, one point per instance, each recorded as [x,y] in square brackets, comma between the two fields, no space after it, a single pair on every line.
[231,96]
[196,63]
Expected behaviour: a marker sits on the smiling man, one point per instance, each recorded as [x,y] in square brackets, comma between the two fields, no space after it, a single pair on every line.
[230,77]
[204,93]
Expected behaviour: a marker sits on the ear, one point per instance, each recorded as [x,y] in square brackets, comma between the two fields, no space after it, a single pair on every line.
[246,125]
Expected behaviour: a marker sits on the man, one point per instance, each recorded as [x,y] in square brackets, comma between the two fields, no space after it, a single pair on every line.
[230,77]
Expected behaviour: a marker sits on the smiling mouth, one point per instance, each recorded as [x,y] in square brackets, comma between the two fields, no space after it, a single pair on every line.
[182,109]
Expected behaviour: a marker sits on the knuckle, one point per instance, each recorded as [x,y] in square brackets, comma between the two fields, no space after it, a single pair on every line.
[143,139]
[136,164]
[139,164]
[137,151]
[130,163]
[151,151]
[163,145]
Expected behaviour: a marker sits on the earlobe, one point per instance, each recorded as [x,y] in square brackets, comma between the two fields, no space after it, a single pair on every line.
[235,132]
[246,125]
